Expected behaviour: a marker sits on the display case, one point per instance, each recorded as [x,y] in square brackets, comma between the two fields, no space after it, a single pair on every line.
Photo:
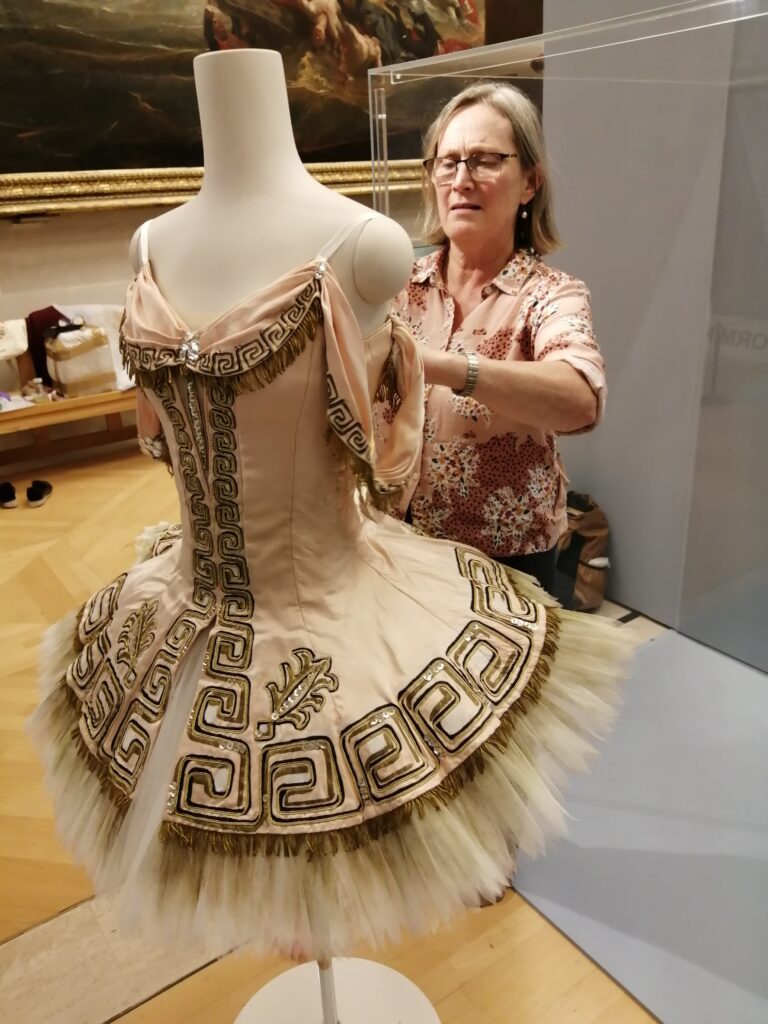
[657,134]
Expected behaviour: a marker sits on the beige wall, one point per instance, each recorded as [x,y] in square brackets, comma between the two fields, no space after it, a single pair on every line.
[83,257]
[71,258]
[79,258]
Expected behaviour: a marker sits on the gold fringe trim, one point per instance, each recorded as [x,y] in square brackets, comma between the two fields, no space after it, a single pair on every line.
[72,706]
[180,840]
[99,770]
[279,361]
[362,471]
[387,390]
[77,643]
[244,381]
[69,698]
[528,586]
[67,708]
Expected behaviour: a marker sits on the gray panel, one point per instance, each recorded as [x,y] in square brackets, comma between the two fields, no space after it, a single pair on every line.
[663,879]
[635,135]
[725,590]
[562,14]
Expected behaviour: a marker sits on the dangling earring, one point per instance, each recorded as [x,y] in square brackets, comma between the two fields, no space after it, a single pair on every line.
[523,229]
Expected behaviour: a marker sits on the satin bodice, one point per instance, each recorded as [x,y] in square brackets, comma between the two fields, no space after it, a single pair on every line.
[260,409]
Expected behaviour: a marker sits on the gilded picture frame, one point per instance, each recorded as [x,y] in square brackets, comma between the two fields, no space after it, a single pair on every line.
[101,101]
[25,195]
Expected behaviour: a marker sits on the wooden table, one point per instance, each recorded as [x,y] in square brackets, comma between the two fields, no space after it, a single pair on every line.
[40,418]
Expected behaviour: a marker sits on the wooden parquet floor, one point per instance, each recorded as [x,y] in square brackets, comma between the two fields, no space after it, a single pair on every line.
[63,961]
[53,557]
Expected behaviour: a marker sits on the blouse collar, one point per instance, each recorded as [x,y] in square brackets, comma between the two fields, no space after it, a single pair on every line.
[510,279]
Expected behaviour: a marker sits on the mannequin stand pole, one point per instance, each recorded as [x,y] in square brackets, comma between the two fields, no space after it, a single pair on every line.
[328,992]
[351,991]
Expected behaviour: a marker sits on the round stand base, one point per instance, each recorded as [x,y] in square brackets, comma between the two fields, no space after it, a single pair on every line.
[366,993]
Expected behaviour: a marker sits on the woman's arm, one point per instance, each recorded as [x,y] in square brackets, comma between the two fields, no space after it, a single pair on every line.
[551,395]
[560,387]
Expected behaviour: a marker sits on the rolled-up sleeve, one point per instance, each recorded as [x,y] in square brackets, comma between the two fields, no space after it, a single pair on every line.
[562,330]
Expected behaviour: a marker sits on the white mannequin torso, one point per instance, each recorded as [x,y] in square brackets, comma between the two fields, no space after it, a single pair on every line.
[259,212]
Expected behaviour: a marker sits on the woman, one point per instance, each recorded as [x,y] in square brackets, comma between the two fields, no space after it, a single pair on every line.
[507,341]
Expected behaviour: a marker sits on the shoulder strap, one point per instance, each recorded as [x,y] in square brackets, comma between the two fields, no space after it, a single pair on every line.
[144,243]
[341,236]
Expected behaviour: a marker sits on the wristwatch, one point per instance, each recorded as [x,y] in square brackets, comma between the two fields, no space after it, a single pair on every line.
[473,370]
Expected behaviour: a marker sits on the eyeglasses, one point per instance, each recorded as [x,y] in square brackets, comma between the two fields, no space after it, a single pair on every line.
[480,167]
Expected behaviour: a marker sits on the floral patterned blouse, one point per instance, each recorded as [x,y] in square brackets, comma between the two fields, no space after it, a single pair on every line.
[487,480]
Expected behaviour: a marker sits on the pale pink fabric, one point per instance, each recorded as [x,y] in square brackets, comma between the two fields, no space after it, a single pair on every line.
[151,319]
[265,515]
[290,666]
[487,479]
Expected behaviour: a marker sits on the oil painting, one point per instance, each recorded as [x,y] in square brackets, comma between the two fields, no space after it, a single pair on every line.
[107,86]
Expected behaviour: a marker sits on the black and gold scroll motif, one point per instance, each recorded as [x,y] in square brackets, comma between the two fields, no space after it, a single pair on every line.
[136,636]
[81,673]
[98,611]
[92,626]
[446,708]
[395,752]
[357,449]
[303,781]
[215,780]
[203,564]
[255,362]
[492,597]
[344,425]
[213,787]
[92,677]
[300,692]
[230,648]
[103,702]
[388,757]
[496,665]
[129,747]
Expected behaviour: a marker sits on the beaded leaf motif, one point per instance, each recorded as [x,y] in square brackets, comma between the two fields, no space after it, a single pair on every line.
[299,693]
[136,636]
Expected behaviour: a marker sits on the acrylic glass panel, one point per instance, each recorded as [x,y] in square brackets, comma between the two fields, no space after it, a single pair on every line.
[724,601]
[657,132]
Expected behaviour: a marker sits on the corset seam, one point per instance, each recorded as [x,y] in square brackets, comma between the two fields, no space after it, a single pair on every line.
[292,554]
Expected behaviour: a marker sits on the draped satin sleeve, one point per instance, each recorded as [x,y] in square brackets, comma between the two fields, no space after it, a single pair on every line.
[388,460]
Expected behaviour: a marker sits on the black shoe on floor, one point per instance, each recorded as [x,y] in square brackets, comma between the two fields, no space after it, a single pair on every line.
[38,493]
[7,496]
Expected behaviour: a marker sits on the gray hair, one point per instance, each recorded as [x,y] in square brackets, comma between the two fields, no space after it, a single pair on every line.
[512,103]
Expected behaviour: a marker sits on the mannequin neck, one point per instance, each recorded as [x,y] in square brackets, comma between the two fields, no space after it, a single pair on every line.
[248,144]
